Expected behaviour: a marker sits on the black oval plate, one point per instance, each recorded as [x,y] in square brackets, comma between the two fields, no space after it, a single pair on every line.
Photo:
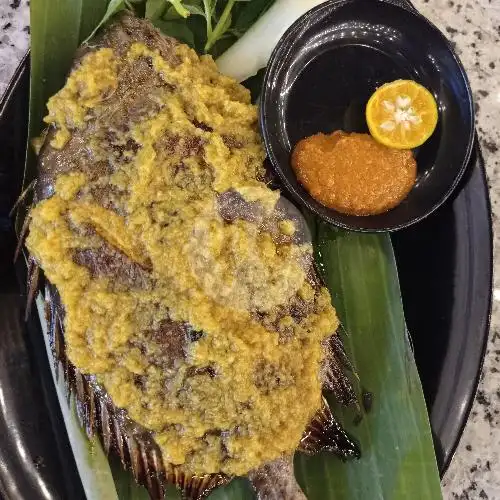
[321,75]
[445,266]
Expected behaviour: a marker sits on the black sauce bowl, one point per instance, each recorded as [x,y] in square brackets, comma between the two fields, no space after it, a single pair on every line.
[321,75]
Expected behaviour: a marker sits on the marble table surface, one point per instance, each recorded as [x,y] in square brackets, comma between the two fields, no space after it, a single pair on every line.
[474,28]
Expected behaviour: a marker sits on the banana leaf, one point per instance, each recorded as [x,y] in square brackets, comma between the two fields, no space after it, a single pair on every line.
[391,423]
[398,459]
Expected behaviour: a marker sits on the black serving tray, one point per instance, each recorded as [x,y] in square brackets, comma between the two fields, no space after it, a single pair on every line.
[445,269]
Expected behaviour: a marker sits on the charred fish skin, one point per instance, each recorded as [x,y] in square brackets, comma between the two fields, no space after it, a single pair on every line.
[90,206]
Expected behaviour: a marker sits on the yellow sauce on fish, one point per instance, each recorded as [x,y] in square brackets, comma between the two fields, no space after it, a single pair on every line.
[204,271]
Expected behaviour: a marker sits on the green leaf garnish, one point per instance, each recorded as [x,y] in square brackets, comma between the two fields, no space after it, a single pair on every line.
[155,9]
[176,29]
[114,6]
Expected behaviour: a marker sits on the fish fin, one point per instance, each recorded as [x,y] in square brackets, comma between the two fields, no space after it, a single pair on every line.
[333,374]
[58,343]
[30,187]
[50,317]
[105,425]
[52,327]
[339,351]
[22,235]
[32,285]
[195,487]
[152,468]
[67,374]
[48,309]
[85,402]
[324,433]
[276,481]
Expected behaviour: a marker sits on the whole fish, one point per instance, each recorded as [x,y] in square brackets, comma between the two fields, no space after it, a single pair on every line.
[181,292]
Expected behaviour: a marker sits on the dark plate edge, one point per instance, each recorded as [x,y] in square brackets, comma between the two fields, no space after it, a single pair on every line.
[486,330]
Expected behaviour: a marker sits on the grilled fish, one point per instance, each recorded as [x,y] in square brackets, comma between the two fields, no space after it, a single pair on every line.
[181,292]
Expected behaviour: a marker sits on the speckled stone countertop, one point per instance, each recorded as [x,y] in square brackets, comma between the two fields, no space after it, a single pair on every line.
[14,37]
[474,28]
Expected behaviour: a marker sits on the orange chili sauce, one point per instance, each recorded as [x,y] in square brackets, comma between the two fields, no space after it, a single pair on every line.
[353,173]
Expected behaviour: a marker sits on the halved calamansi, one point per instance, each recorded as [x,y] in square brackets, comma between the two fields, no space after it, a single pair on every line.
[402,114]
